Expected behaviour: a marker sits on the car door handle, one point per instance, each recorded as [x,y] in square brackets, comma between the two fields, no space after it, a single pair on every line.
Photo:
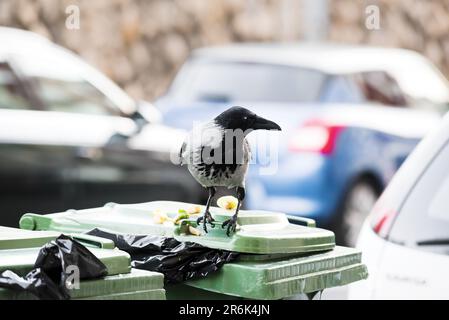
[88,153]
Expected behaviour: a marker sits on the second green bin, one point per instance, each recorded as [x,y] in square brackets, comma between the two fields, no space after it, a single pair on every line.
[278,260]
[20,248]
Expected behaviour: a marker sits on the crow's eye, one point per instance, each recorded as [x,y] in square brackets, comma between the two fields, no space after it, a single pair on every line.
[245,118]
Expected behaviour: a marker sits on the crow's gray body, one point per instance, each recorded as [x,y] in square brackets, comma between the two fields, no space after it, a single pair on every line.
[207,139]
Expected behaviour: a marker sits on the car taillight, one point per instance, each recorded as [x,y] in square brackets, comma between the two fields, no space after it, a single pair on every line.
[381,220]
[315,136]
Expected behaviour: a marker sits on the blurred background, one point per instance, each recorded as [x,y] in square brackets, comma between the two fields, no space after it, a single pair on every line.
[355,85]
[141,44]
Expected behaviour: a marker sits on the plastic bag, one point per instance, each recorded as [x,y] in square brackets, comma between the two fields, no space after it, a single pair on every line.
[48,278]
[178,261]
[35,282]
[57,255]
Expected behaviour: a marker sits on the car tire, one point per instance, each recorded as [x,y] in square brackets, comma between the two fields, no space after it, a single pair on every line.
[357,203]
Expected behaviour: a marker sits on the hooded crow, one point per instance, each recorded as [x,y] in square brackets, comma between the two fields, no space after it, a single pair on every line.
[217,154]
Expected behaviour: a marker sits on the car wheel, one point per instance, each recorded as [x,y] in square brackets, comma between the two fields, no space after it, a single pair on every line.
[358,202]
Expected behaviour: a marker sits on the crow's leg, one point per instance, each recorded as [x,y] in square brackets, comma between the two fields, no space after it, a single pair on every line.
[207,217]
[232,223]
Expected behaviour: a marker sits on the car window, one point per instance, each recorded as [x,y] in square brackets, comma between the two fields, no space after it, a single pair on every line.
[340,89]
[241,81]
[379,87]
[423,221]
[60,86]
[422,81]
[12,94]
[72,96]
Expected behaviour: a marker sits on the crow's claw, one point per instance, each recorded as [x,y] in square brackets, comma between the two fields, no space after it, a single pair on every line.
[207,218]
[232,225]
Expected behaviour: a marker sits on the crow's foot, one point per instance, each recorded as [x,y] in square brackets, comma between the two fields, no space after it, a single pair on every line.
[232,225]
[206,218]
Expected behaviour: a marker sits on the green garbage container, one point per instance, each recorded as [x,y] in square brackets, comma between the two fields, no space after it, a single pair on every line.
[278,259]
[277,278]
[19,250]
[261,232]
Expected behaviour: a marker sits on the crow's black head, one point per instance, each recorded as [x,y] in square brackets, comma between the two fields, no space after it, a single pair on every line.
[241,118]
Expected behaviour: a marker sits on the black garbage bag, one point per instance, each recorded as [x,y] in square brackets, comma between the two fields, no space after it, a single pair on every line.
[57,255]
[178,261]
[48,278]
[35,282]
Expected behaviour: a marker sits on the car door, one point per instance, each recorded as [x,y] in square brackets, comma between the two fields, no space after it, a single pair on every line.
[105,167]
[91,122]
[415,261]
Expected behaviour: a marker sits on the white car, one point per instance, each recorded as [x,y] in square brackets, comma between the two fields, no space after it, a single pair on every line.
[71,138]
[405,240]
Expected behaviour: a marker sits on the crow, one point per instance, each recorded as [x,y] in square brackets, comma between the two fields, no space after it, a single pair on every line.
[217,154]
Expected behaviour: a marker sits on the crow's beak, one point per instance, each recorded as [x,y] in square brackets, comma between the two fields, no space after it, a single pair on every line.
[265,124]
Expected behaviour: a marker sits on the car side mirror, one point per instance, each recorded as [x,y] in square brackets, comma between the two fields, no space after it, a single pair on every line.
[149,112]
[146,113]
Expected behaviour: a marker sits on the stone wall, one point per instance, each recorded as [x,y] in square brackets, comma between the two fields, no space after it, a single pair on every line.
[141,43]
[421,25]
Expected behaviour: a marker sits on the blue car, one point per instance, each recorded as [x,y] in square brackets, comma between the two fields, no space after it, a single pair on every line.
[350,116]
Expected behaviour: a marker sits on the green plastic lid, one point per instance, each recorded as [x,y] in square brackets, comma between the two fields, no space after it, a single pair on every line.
[286,277]
[19,250]
[259,232]
[136,285]
[158,294]
[13,238]
[21,261]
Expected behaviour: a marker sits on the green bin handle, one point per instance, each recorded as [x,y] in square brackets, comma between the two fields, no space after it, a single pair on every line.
[32,221]
[303,221]
[98,242]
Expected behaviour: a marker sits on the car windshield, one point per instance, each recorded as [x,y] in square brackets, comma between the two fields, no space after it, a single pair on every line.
[60,85]
[240,81]
[73,96]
